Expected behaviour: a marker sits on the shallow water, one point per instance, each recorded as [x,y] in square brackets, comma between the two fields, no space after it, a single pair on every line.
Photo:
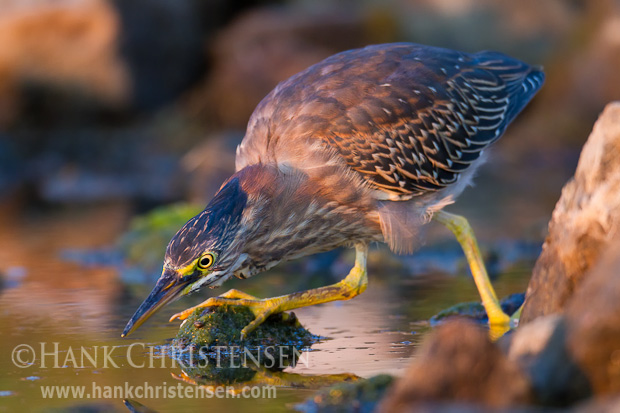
[50,301]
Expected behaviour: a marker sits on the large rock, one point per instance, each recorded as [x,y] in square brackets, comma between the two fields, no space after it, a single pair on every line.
[593,324]
[458,363]
[574,353]
[585,219]
[554,361]
[540,349]
[572,356]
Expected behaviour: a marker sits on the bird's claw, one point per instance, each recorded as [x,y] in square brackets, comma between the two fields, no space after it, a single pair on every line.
[261,309]
[211,302]
[230,297]
[182,315]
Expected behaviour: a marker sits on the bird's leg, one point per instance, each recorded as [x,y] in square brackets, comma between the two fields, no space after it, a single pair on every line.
[465,236]
[354,284]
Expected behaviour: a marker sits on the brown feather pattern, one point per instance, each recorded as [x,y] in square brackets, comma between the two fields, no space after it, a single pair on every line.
[409,119]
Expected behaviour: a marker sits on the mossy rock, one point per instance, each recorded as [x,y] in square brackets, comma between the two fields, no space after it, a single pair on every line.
[475,310]
[216,332]
[359,396]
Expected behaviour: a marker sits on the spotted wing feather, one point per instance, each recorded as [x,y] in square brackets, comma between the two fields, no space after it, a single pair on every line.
[434,127]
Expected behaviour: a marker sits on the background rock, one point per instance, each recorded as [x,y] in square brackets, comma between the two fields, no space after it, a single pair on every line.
[60,59]
[60,55]
[266,45]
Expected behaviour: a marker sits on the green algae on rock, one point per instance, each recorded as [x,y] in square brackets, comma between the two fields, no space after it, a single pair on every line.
[145,242]
[216,331]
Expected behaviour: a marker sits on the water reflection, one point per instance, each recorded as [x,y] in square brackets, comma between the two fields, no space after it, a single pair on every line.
[235,379]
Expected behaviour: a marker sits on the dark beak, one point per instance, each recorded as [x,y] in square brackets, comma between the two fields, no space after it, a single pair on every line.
[167,289]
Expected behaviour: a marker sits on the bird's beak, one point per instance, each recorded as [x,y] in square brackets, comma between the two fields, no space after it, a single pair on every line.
[167,289]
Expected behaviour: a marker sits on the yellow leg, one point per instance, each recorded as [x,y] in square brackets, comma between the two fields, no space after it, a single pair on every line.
[465,236]
[354,284]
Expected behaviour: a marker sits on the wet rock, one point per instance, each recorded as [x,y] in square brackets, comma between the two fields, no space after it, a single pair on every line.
[361,396]
[572,354]
[475,310]
[584,221]
[458,363]
[209,328]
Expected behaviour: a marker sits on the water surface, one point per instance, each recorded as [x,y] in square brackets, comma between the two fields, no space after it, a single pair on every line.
[47,300]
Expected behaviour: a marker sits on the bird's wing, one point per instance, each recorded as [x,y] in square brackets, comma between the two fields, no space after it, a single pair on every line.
[409,119]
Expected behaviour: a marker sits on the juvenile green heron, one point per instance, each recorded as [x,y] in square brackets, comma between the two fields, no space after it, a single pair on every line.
[367,145]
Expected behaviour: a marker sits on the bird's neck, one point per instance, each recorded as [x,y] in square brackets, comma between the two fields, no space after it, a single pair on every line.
[290,213]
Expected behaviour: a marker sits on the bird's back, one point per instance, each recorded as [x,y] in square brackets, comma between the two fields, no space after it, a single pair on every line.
[408,119]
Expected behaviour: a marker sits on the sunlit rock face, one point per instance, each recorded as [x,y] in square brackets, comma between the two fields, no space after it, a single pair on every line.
[585,220]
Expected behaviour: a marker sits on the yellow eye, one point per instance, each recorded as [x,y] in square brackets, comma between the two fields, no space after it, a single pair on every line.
[206,261]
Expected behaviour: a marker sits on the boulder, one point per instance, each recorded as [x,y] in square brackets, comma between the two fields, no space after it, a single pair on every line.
[593,324]
[573,354]
[584,221]
[541,351]
[458,363]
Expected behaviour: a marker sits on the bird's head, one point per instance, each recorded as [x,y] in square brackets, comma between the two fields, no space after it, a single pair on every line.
[205,252]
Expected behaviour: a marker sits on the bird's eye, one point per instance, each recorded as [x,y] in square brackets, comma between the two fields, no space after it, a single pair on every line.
[206,261]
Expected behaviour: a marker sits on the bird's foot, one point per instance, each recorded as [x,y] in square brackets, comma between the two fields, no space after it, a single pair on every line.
[499,322]
[499,326]
[352,285]
[496,315]
[261,308]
